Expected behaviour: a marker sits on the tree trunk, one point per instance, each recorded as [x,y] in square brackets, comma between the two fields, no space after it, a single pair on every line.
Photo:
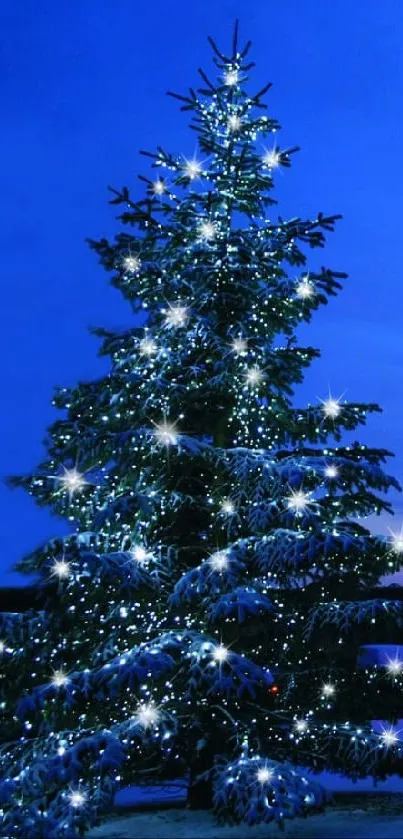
[200,792]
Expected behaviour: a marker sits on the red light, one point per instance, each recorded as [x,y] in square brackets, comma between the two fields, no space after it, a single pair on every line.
[274,689]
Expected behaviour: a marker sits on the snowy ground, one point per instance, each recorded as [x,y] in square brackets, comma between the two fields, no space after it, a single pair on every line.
[163,815]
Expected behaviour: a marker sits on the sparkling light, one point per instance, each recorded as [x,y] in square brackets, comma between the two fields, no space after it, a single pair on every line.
[207,231]
[234,123]
[328,689]
[220,653]
[219,560]
[331,407]
[231,77]
[60,569]
[305,289]
[147,715]
[397,540]
[59,678]
[254,375]
[158,187]
[331,471]
[147,347]
[240,346]
[299,501]
[389,736]
[271,158]
[132,263]
[176,316]
[77,798]
[394,666]
[300,726]
[165,433]
[227,507]
[193,169]
[72,480]
[264,775]
[139,554]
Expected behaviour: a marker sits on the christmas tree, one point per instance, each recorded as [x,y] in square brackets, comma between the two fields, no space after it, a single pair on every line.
[203,617]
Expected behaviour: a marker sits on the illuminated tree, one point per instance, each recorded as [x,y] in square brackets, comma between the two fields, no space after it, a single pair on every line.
[203,618]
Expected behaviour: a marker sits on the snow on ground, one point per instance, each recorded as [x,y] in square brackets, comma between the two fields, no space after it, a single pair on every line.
[186,824]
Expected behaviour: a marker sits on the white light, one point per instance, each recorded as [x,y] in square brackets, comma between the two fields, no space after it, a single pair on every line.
[305,289]
[219,560]
[159,187]
[147,347]
[227,507]
[207,231]
[394,666]
[132,264]
[220,653]
[59,678]
[148,715]
[234,123]
[331,471]
[231,77]
[271,159]
[389,736]
[328,689]
[300,726]
[72,480]
[298,501]
[60,569]
[2,647]
[239,346]
[165,433]
[176,316]
[77,798]
[254,375]
[139,554]
[397,540]
[264,775]
[331,407]
[193,169]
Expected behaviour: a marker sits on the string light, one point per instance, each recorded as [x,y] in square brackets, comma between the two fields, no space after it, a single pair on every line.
[147,715]
[299,501]
[59,678]
[331,471]
[390,736]
[271,158]
[72,480]
[166,433]
[220,653]
[60,569]
[77,798]
[193,169]
[397,540]
[132,264]
[219,560]
[394,666]
[254,376]
[305,289]
[331,407]
[227,507]
[300,726]
[239,346]
[207,231]
[159,187]
[231,78]
[264,774]
[234,123]
[328,689]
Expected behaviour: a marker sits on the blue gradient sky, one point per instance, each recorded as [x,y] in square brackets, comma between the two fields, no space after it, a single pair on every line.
[83,89]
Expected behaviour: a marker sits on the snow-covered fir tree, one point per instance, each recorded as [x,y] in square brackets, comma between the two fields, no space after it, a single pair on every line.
[203,617]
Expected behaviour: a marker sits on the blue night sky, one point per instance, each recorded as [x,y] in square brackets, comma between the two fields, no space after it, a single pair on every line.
[83,89]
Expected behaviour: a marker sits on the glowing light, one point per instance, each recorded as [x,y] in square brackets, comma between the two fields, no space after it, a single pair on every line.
[231,78]
[394,666]
[220,653]
[158,187]
[271,158]
[254,376]
[165,433]
[147,715]
[264,775]
[397,540]
[147,347]
[331,407]
[2,647]
[299,501]
[240,346]
[234,123]
[305,289]
[390,736]
[59,678]
[207,231]
[219,560]
[132,264]
[328,689]
[331,471]
[77,798]
[193,169]
[176,316]
[72,480]
[300,726]
[227,507]
[60,569]
[139,554]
